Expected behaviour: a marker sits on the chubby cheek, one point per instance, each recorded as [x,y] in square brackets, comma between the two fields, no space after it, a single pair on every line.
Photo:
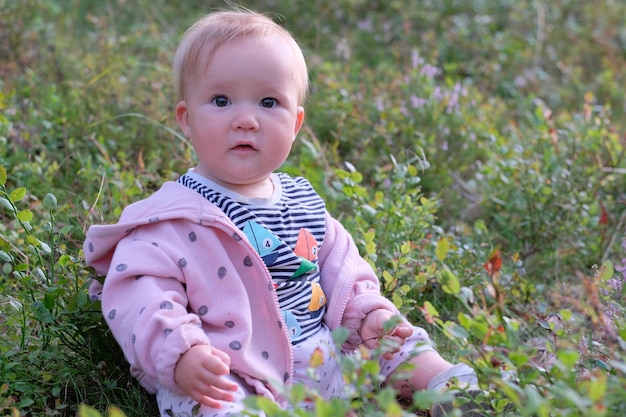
[282,148]
[204,148]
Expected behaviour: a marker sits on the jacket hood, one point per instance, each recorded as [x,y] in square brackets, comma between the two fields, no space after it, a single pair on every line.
[173,201]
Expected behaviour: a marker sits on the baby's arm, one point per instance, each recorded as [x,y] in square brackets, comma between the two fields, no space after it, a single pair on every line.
[146,306]
[199,373]
[344,270]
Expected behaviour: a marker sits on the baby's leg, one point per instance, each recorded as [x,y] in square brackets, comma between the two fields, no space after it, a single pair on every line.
[318,351]
[172,404]
[426,363]
[430,371]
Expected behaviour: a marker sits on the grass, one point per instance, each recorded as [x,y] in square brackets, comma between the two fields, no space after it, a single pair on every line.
[475,150]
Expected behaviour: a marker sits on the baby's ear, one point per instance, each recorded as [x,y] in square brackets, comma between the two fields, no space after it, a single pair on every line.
[299,121]
[182,117]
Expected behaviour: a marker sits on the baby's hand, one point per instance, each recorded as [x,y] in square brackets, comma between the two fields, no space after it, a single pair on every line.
[373,331]
[199,373]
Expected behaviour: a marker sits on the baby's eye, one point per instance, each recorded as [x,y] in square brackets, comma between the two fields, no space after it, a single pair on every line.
[269,102]
[220,101]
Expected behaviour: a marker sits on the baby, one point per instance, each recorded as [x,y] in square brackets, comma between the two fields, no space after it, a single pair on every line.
[223,284]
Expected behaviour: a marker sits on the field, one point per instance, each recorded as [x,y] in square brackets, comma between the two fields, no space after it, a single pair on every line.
[475,149]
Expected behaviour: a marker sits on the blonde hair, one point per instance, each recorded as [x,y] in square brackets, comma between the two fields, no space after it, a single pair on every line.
[206,35]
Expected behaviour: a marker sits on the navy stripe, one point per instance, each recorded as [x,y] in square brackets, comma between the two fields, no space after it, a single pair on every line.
[299,207]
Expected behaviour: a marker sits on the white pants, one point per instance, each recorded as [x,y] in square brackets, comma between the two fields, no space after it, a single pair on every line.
[326,378]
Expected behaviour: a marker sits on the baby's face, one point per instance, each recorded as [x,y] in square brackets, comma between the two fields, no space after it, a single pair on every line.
[241,112]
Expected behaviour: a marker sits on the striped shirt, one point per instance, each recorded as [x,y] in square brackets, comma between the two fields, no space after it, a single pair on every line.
[287,230]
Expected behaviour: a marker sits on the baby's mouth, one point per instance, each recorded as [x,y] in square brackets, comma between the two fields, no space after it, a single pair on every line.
[244,147]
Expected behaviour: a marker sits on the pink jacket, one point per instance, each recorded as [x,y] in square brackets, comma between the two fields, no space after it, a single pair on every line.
[179,273]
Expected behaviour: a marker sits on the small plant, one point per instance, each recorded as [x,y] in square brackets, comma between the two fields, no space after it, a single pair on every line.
[54,328]
[483,153]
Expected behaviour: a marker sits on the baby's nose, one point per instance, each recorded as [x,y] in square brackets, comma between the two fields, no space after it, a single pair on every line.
[246,118]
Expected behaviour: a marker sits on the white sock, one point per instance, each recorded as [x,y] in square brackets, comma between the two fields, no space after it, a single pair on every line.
[461,371]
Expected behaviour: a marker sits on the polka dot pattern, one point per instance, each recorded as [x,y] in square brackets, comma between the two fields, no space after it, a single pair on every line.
[221,272]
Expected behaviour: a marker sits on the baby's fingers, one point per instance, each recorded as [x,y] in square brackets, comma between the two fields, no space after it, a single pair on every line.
[213,389]
[392,345]
[403,330]
[222,355]
[213,397]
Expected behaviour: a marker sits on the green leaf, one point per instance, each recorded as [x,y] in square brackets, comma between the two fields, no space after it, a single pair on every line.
[332,408]
[65,229]
[65,259]
[25,403]
[340,335]
[442,248]
[566,314]
[405,248]
[602,365]
[86,411]
[430,309]
[3,175]
[449,282]
[357,177]
[568,357]
[25,215]
[4,256]
[397,300]
[518,358]
[379,197]
[456,331]
[49,300]
[17,194]
[36,242]
[21,267]
[49,201]
[6,203]
[597,387]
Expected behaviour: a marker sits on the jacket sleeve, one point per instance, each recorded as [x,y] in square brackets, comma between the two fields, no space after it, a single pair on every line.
[353,285]
[145,305]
